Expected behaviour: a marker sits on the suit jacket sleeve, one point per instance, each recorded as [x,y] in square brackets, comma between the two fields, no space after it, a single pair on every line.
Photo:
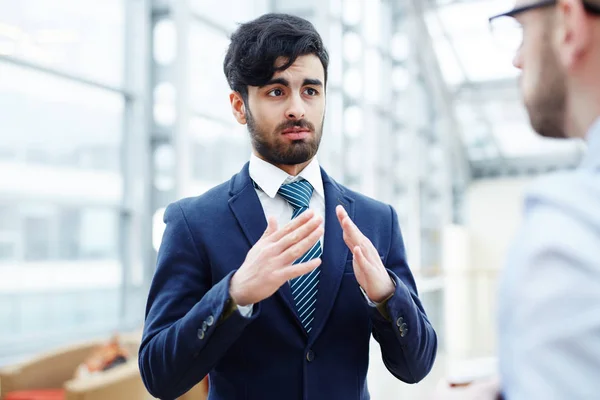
[190,323]
[400,325]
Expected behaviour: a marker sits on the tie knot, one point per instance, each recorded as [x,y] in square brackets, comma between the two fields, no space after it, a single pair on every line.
[297,193]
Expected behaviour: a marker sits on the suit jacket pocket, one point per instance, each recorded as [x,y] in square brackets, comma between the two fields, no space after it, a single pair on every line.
[348,269]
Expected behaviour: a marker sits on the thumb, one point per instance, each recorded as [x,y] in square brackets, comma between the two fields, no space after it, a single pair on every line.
[271,226]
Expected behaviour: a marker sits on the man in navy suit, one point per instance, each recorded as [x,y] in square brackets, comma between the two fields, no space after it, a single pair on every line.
[273,282]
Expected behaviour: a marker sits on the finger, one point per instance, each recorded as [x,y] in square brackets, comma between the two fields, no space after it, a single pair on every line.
[345,223]
[271,226]
[293,224]
[296,270]
[340,212]
[353,236]
[299,233]
[351,232]
[345,220]
[348,241]
[299,249]
[360,258]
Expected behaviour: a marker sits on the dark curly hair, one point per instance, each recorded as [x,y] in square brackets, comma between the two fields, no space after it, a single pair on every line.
[256,45]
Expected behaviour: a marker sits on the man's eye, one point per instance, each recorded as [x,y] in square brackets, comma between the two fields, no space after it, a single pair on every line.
[275,92]
[311,92]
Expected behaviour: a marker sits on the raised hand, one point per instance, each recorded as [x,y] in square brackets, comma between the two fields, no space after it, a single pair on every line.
[268,264]
[368,268]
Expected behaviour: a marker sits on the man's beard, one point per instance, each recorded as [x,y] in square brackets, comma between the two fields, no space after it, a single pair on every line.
[547,107]
[279,152]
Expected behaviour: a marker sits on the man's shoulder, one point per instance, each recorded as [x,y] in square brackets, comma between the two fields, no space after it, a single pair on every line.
[365,202]
[570,193]
[209,202]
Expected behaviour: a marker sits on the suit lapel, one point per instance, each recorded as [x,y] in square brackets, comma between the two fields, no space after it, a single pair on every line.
[335,253]
[246,207]
[248,211]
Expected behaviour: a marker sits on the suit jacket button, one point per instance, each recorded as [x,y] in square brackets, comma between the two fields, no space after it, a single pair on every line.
[204,326]
[310,356]
[403,332]
[210,320]
[200,334]
[399,321]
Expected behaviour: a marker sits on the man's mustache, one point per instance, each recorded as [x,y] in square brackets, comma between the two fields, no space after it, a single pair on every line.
[302,123]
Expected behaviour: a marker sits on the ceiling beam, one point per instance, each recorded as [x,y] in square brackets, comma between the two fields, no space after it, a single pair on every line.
[525,166]
[485,89]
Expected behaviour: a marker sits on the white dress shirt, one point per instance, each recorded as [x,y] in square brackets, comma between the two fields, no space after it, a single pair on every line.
[269,178]
[549,315]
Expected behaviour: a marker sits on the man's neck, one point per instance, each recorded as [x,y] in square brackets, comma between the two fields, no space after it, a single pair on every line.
[292,170]
[583,110]
[584,95]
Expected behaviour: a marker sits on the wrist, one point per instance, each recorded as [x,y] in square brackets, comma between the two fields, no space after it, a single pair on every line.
[237,298]
[385,293]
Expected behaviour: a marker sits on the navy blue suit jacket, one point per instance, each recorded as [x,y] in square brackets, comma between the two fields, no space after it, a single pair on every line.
[189,333]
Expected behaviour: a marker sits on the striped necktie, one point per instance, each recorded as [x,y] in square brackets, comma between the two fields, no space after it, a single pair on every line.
[304,288]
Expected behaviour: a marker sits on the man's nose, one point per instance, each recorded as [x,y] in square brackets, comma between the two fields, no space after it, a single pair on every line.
[295,110]
[518,59]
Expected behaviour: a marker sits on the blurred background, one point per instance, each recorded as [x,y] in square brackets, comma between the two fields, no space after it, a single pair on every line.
[110,110]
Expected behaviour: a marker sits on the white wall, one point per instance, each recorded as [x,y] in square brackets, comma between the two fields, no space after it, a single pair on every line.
[474,255]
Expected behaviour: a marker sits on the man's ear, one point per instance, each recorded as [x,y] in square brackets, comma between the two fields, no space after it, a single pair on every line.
[572,26]
[238,108]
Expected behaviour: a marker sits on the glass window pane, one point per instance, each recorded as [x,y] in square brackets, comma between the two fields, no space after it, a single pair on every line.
[88,233]
[372,69]
[372,24]
[219,150]
[230,15]
[331,148]
[83,37]
[209,88]
[336,62]
[52,121]
[335,8]
[352,12]
[51,232]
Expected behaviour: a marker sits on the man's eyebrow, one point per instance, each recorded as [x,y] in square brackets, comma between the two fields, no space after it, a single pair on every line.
[277,81]
[286,83]
[312,82]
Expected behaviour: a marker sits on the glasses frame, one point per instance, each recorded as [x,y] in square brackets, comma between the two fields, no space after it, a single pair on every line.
[590,8]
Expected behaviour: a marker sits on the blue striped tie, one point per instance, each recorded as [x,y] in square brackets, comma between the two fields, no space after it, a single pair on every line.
[304,288]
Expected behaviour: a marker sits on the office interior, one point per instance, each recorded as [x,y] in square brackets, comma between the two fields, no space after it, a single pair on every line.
[110,110]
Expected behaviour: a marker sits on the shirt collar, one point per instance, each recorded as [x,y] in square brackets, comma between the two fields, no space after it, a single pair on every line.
[592,157]
[270,178]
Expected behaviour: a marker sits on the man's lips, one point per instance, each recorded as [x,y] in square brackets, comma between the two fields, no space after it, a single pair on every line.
[295,130]
[296,133]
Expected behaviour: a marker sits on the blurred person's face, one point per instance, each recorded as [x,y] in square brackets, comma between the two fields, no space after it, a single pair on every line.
[285,117]
[542,80]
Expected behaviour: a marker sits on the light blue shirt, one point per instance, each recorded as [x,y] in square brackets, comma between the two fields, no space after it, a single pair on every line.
[549,305]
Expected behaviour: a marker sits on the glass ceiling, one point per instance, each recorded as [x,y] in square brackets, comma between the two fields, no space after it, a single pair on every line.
[493,121]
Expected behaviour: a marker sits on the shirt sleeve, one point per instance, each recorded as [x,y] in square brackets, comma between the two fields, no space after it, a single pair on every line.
[246,311]
[550,308]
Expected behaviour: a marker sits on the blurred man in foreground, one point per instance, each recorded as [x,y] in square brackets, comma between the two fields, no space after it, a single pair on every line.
[549,317]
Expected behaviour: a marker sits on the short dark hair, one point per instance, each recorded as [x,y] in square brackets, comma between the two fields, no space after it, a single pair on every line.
[256,45]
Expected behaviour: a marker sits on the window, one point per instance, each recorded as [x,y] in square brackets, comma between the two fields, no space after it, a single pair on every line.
[38,235]
[209,90]
[81,37]
[228,16]
[219,150]
[49,233]
[51,121]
